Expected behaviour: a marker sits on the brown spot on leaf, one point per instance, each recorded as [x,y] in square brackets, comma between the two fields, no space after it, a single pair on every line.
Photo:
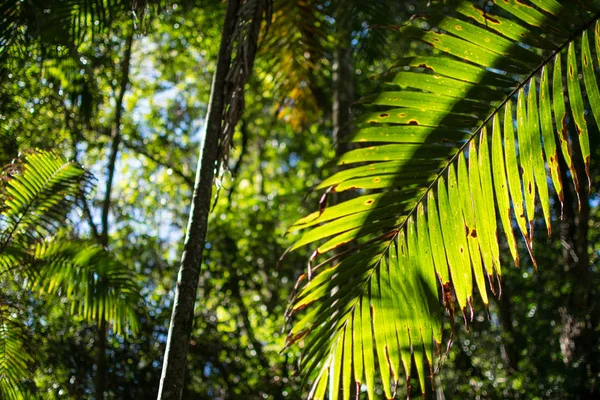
[303,306]
[323,201]
[529,187]
[448,299]
[474,233]
[587,171]
[376,179]
[291,339]
[384,115]
[472,309]
[369,202]
[462,250]
[413,122]
[564,131]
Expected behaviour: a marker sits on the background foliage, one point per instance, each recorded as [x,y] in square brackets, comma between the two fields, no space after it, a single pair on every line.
[67,99]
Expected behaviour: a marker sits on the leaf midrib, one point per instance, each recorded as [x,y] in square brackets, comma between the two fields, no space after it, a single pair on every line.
[522,84]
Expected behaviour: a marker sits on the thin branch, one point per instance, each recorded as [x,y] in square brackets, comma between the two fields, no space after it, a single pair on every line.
[75,136]
[138,149]
[88,216]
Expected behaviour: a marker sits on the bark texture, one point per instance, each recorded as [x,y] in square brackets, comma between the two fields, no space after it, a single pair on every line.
[180,330]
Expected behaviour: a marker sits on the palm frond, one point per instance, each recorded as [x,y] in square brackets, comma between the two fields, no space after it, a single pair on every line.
[438,162]
[15,359]
[97,286]
[37,195]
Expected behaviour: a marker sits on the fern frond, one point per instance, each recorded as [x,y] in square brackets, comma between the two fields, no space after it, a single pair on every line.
[438,160]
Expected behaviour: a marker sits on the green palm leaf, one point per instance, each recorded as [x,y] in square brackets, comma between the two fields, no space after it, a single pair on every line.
[457,138]
[37,195]
[97,286]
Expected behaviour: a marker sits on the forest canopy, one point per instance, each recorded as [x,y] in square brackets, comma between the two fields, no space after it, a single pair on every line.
[289,199]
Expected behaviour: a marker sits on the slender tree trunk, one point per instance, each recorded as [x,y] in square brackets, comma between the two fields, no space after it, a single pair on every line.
[100,378]
[174,363]
[116,135]
[343,92]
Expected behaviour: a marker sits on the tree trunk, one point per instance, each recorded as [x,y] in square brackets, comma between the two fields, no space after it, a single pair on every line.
[182,318]
[343,92]
[100,377]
